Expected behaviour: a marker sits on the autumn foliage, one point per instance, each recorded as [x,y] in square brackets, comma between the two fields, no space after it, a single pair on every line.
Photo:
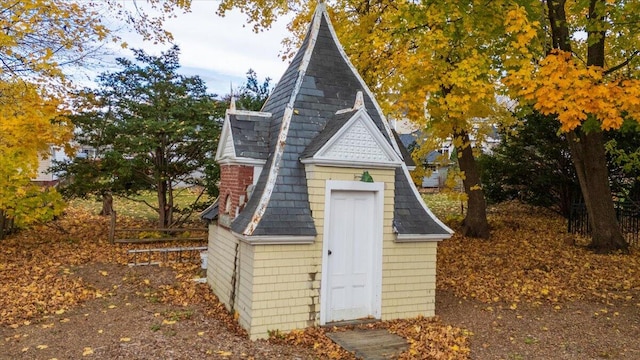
[576,92]
[30,124]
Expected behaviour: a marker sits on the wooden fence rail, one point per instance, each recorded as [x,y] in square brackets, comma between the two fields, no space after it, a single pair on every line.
[156,234]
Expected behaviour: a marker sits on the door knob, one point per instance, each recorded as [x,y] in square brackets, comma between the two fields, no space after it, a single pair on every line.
[329,252]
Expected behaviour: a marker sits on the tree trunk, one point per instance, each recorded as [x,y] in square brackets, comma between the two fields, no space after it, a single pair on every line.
[587,149]
[475,223]
[107,204]
[2,224]
[590,162]
[162,204]
[162,188]
[170,205]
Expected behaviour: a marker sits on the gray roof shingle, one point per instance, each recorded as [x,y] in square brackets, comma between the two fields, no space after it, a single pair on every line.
[332,127]
[403,150]
[250,135]
[409,217]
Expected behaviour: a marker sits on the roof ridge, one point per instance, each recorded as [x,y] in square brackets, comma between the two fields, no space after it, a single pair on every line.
[286,120]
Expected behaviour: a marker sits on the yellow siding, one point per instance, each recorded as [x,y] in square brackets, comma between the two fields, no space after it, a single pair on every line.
[244,286]
[286,288]
[220,262]
[408,279]
[220,269]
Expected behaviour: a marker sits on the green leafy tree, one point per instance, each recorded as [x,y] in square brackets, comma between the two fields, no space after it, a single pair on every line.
[531,164]
[252,95]
[40,40]
[151,128]
[623,154]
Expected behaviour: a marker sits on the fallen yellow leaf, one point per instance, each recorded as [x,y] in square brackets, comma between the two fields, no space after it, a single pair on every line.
[125,339]
[42,347]
[103,273]
[544,291]
[87,351]
[224,353]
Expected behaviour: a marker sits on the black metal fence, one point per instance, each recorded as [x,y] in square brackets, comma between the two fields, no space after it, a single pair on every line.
[628,217]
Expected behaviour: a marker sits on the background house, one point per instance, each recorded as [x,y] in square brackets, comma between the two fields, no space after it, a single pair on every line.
[439,161]
[318,219]
[44,177]
[56,154]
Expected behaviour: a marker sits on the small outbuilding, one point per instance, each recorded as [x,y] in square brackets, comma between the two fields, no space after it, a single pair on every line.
[318,219]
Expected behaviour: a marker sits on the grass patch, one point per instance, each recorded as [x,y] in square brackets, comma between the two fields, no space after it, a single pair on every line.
[136,208]
[446,205]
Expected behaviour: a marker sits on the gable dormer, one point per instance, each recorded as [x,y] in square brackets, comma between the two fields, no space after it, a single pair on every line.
[351,139]
[241,154]
[244,138]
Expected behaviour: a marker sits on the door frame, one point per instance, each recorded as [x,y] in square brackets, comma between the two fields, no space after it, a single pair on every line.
[378,190]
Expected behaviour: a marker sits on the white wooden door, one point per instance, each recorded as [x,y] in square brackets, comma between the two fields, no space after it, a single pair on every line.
[350,255]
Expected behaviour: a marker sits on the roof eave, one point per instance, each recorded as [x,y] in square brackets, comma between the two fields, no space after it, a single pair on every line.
[275,239]
[351,163]
[232,160]
[413,238]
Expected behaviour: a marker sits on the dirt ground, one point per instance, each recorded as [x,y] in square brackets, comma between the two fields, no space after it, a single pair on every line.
[574,330]
[129,322]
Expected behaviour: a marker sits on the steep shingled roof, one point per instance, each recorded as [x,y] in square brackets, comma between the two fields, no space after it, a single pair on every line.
[319,81]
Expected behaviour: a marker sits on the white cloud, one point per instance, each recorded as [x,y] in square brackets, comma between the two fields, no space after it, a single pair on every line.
[220,49]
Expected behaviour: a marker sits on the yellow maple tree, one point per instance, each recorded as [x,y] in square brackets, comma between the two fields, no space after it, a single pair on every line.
[29,125]
[578,60]
[39,39]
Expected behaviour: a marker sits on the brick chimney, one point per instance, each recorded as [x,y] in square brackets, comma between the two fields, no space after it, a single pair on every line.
[234,182]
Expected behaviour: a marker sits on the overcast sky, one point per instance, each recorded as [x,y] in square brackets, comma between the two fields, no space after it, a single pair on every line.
[220,50]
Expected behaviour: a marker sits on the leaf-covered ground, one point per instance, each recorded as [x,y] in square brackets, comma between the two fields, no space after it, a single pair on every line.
[531,258]
[535,292]
[529,293]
